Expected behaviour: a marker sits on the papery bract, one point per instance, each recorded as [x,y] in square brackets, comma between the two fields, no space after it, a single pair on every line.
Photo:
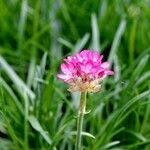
[84,71]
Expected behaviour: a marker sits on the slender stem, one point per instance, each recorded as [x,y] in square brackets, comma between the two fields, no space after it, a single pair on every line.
[81,113]
[26,123]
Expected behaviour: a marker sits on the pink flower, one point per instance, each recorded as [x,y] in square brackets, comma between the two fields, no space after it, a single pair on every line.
[84,71]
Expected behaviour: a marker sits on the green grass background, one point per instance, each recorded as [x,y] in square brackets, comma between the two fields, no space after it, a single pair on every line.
[36,110]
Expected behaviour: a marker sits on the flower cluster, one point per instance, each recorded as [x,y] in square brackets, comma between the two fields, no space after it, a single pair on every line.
[84,71]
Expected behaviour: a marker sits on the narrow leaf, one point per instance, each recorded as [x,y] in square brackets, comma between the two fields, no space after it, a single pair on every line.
[83,133]
[95,33]
[16,79]
[36,125]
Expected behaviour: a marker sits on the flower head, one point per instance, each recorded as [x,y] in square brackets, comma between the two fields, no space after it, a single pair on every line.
[84,71]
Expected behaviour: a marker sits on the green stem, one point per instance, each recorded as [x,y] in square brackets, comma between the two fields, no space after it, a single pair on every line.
[81,113]
[26,122]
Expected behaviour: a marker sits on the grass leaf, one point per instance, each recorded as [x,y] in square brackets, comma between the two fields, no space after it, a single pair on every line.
[36,125]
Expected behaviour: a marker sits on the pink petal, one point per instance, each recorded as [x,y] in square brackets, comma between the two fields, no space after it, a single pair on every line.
[109,72]
[70,59]
[63,77]
[86,68]
[105,65]
[65,69]
[101,74]
[94,70]
[86,55]
[79,58]
[95,56]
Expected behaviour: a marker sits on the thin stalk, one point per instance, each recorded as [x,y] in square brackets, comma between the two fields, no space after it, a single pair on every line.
[80,117]
[26,123]
[146,117]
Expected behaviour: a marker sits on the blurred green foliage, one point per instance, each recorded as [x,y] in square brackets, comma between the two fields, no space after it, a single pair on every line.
[36,111]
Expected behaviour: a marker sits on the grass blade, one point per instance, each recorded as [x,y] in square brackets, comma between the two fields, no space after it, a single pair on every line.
[81,43]
[16,79]
[95,34]
[116,40]
[9,90]
[36,125]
